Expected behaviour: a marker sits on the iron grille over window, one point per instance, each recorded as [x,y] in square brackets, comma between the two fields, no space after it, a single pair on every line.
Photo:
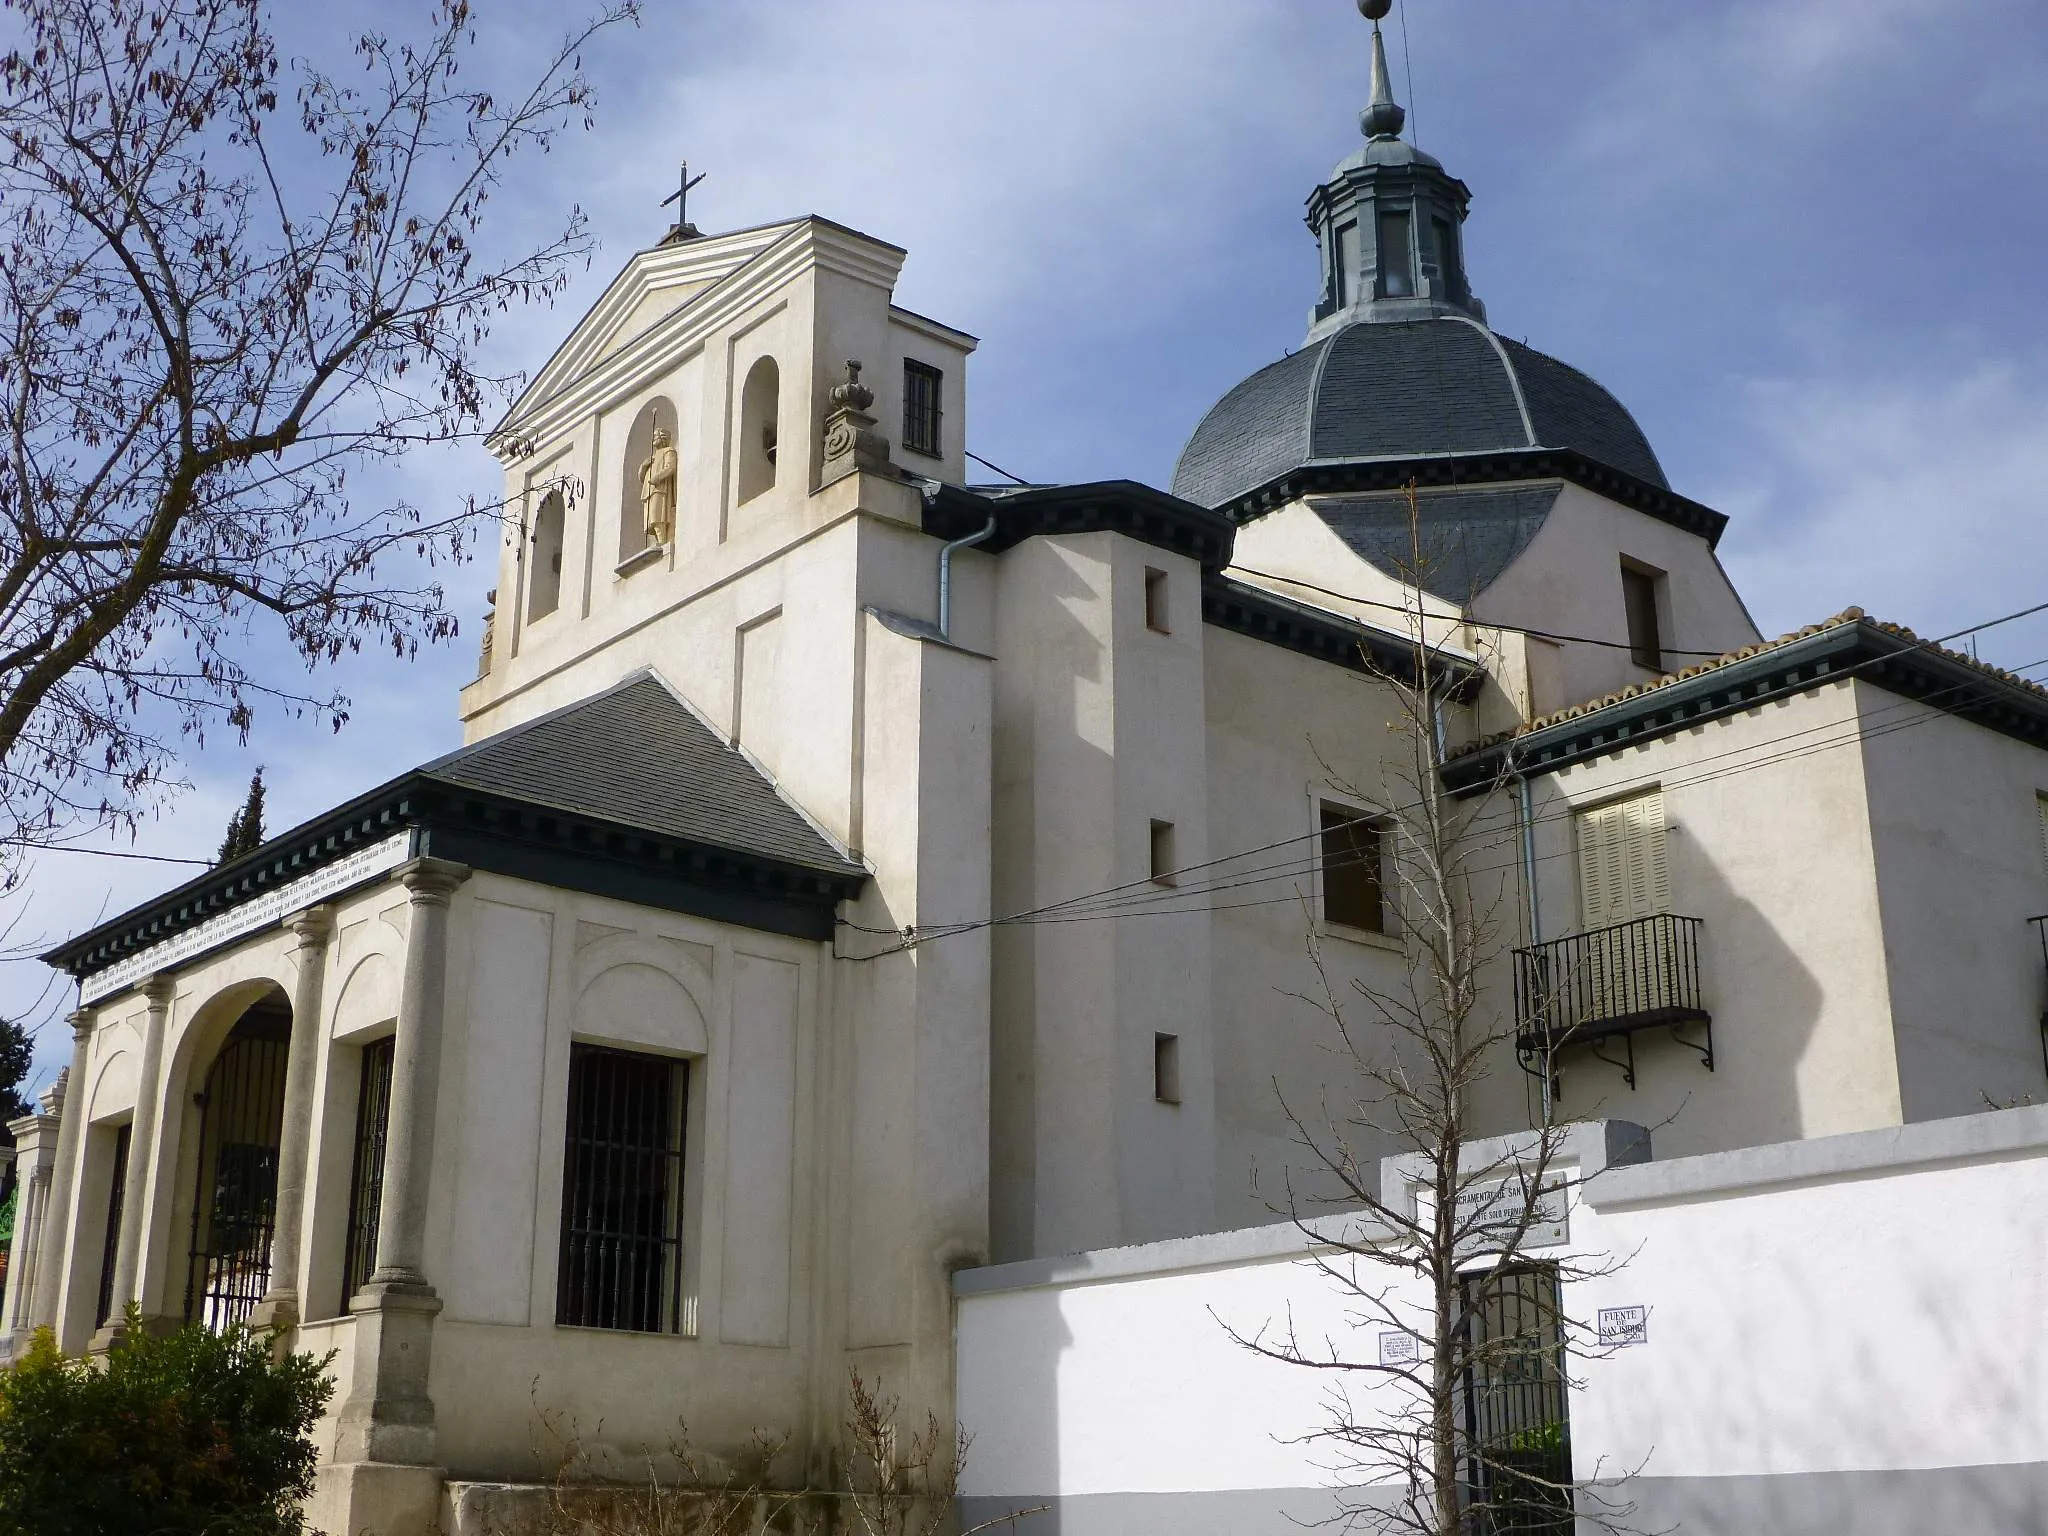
[234,1209]
[366,1170]
[622,1193]
[1518,1453]
[1354,891]
[117,1193]
[921,407]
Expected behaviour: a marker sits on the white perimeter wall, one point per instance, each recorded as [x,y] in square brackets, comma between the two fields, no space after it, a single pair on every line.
[1843,1305]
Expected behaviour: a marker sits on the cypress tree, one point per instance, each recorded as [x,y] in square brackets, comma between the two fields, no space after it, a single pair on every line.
[245,827]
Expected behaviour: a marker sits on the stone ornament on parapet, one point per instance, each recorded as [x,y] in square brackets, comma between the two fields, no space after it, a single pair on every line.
[851,443]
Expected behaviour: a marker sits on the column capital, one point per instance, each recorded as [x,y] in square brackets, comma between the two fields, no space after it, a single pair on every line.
[312,927]
[81,1022]
[432,881]
[159,989]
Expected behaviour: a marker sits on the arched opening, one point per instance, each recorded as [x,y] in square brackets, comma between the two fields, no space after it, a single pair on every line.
[656,415]
[234,1204]
[758,400]
[544,581]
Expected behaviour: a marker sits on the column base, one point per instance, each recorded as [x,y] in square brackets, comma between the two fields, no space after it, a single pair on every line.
[114,1333]
[389,1416]
[275,1314]
[380,1497]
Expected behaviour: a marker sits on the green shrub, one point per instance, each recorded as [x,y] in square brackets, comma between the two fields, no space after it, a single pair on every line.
[191,1433]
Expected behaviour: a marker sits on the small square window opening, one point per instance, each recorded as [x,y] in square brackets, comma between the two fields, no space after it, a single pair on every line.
[1354,881]
[1155,601]
[921,384]
[1166,1068]
[1163,864]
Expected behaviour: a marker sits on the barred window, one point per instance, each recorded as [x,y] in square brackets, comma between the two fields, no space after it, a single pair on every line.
[366,1171]
[921,384]
[1354,852]
[622,1192]
[117,1190]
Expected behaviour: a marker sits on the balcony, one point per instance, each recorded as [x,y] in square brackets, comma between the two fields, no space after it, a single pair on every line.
[1596,988]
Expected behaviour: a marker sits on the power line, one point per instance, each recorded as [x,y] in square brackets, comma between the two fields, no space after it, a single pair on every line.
[1102,903]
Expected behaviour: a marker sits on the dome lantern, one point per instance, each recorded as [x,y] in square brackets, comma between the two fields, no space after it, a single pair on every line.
[1387,221]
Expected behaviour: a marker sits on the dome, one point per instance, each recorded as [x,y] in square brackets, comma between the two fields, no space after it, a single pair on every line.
[1391,390]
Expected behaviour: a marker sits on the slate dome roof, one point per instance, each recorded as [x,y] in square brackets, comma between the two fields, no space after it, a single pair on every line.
[1390,390]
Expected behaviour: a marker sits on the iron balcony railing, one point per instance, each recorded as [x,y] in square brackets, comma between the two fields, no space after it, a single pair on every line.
[1613,981]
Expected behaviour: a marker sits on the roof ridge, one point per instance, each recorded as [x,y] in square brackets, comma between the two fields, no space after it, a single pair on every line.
[1514,378]
[512,732]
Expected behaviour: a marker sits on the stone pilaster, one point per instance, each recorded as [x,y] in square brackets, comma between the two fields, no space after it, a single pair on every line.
[60,1221]
[35,1151]
[385,1443]
[159,991]
[280,1305]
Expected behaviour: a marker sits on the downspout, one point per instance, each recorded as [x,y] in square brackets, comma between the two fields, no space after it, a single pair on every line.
[1528,831]
[946,574]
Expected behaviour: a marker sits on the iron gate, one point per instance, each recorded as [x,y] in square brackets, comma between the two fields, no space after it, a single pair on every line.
[117,1195]
[366,1171]
[1518,1454]
[234,1208]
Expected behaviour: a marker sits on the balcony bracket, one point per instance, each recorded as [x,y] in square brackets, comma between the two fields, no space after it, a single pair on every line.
[1627,1065]
[1704,1045]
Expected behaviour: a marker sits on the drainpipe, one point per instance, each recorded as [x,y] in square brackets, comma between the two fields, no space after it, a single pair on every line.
[946,574]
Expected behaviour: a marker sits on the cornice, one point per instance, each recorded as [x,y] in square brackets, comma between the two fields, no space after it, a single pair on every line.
[1117,506]
[1855,648]
[1261,614]
[1432,471]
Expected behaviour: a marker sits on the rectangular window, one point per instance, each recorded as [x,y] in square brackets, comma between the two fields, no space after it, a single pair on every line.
[1166,1068]
[1155,601]
[1639,598]
[1623,870]
[921,384]
[1344,262]
[1354,873]
[366,1167]
[1516,1427]
[117,1195]
[622,1192]
[1444,239]
[1397,255]
[1163,864]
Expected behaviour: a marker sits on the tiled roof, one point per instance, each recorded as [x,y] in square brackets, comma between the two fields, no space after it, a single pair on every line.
[1849,644]
[637,756]
[1390,390]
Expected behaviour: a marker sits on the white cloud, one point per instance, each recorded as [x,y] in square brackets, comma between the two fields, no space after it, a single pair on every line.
[1915,494]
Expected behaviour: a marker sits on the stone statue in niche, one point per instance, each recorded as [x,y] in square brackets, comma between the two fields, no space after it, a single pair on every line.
[658,489]
[483,661]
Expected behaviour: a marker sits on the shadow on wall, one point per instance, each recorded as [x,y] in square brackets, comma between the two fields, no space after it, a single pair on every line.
[1766,1006]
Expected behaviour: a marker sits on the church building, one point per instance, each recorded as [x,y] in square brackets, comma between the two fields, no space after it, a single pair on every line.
[854,874]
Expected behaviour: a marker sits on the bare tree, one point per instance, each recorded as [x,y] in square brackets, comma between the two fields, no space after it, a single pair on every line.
[226,284]
[1448,1387]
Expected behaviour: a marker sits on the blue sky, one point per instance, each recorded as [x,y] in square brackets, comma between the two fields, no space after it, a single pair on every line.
[1801,239]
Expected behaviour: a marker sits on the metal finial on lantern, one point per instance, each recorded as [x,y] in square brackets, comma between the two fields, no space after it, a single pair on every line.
[1383,117]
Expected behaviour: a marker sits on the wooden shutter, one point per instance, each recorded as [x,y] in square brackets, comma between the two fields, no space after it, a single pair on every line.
[2041,808]
[1623,870]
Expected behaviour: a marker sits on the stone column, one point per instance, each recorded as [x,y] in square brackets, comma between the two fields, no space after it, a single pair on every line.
[141,1159]
[280,1305]
[60,1221]
[388,1420]
[35,1152]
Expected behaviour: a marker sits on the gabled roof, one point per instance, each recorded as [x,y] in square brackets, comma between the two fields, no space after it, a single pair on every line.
[627,794]
[1851,644]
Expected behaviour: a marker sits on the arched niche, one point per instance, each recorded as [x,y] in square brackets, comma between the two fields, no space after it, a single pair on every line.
[657,412]
[640,1005]
[544,575]
[760,400]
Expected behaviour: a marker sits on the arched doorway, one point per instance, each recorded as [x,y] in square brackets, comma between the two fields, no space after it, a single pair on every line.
[234,1207]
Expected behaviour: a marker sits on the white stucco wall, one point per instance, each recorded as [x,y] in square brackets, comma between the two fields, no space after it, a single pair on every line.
[1816,1311]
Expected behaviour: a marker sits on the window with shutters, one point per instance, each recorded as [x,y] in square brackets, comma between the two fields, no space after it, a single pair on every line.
[1623,870]
[2041,816]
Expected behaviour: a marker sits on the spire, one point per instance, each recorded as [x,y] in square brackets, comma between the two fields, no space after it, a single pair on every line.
[1383,116]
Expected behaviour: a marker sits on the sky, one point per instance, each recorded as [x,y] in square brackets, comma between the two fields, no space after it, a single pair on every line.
[1800,239]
